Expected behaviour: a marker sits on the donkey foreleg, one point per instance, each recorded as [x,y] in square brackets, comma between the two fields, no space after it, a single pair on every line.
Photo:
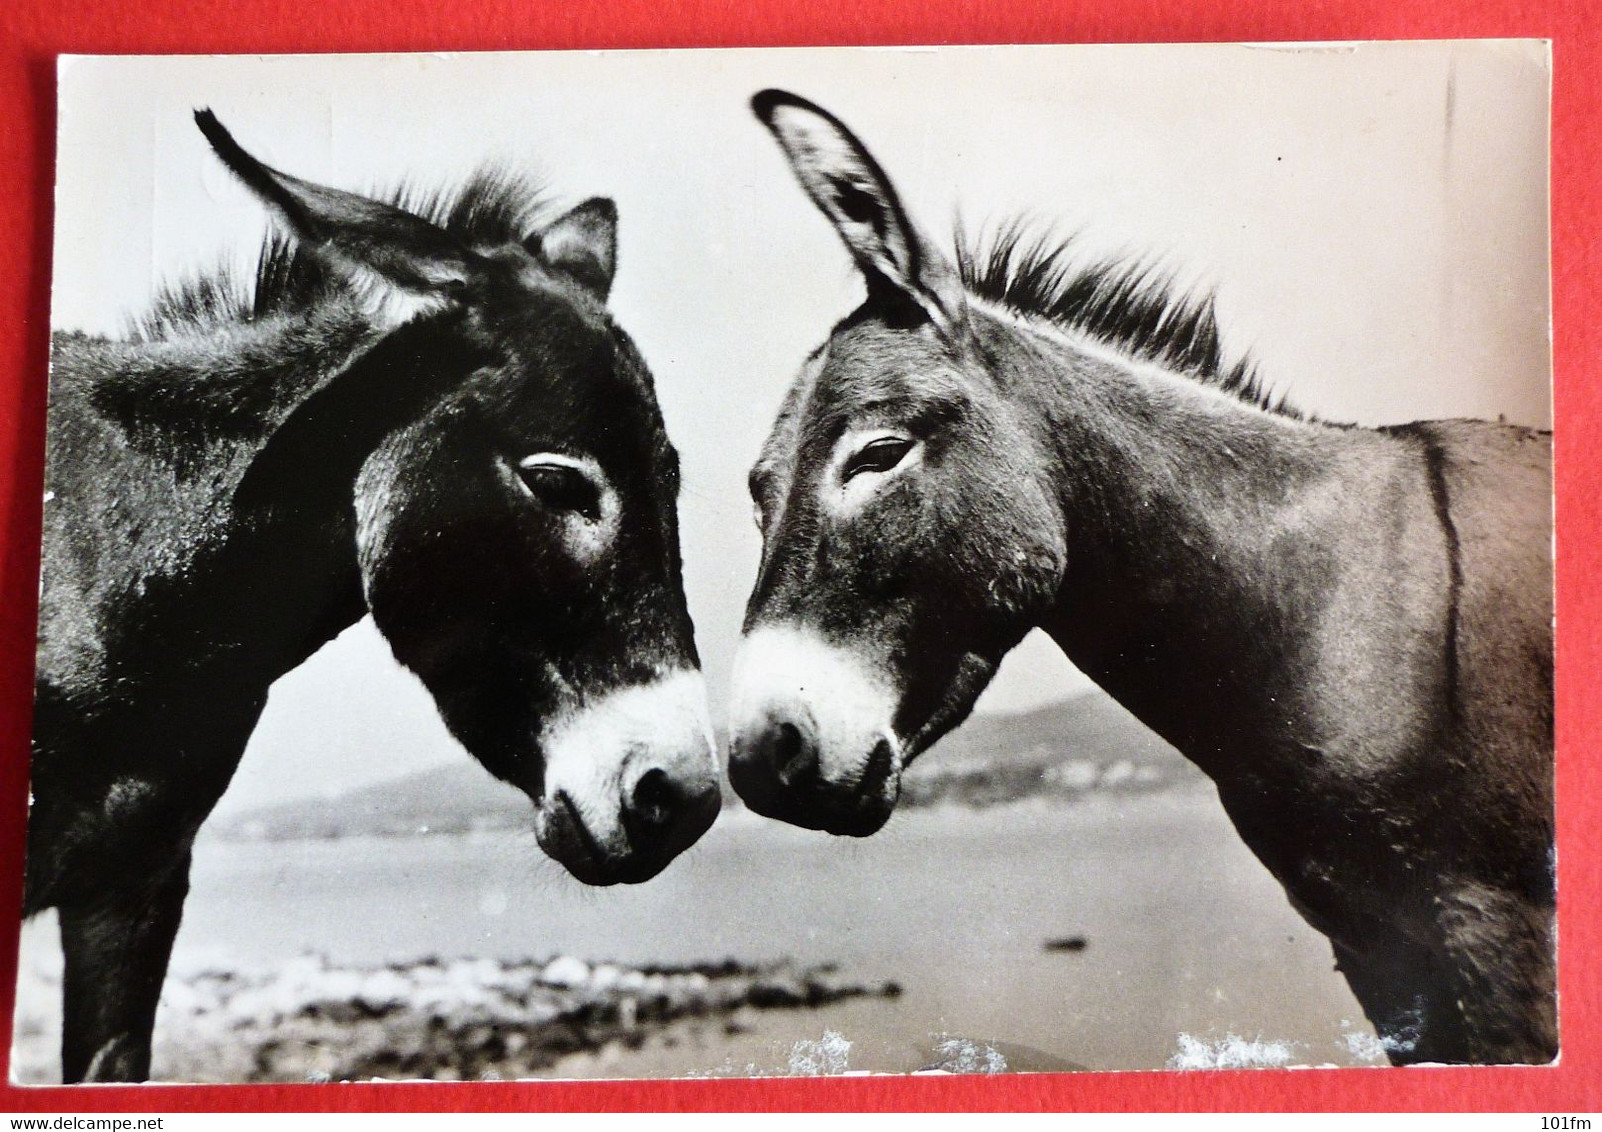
[1481,995]
[1409,1000]
[1499,952]
[116,951]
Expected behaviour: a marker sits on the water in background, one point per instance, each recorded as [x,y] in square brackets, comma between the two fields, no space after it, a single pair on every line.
[1117,932]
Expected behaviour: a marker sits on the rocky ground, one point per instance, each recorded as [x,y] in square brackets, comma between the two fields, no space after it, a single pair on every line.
[460,1020]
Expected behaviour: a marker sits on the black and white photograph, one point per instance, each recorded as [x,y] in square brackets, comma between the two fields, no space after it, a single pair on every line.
[788,562]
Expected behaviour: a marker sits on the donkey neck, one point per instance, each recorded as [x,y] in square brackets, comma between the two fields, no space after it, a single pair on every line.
[251,586]
[1205,535]
[224,389]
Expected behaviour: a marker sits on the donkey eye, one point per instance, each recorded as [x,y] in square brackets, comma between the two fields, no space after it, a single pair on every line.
[562,487]
[877,456]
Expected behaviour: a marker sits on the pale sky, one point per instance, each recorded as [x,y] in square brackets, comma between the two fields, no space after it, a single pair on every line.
[1373,218]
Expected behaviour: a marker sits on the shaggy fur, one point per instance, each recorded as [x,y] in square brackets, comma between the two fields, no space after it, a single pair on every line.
[257,467]
[1130,306]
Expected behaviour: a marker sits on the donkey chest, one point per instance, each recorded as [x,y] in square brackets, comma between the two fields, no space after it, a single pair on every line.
[1349,849]
[122,783]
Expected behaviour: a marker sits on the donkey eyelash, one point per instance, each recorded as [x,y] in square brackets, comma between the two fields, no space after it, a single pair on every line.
[881,454]
[562,484]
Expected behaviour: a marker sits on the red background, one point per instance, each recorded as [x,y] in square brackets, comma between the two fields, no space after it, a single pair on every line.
[33,32]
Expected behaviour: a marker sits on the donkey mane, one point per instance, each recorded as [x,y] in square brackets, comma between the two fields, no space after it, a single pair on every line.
[493,206]
[1133,306]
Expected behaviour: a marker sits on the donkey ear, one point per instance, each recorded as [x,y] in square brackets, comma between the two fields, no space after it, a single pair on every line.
[846,183]
[583,244]
[355,232]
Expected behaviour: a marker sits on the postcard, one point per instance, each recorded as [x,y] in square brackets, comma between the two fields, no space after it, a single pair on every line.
[783,562]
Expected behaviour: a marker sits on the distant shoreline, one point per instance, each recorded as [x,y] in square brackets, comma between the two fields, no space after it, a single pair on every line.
[1061,753]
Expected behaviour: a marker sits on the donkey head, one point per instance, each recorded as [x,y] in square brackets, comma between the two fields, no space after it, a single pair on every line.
[512,502]
[908,538]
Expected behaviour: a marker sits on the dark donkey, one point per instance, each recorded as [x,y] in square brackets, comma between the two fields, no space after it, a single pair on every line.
[1349,630]
[435,420]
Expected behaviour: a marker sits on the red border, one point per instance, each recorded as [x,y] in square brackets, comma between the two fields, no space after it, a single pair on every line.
[32,32]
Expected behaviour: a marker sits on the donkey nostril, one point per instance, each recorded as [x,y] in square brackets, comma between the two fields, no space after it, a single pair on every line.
[655,797]
[876,771]
[793,757]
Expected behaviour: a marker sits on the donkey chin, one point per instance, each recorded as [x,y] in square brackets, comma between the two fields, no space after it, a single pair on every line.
[630,781]
[812,742]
